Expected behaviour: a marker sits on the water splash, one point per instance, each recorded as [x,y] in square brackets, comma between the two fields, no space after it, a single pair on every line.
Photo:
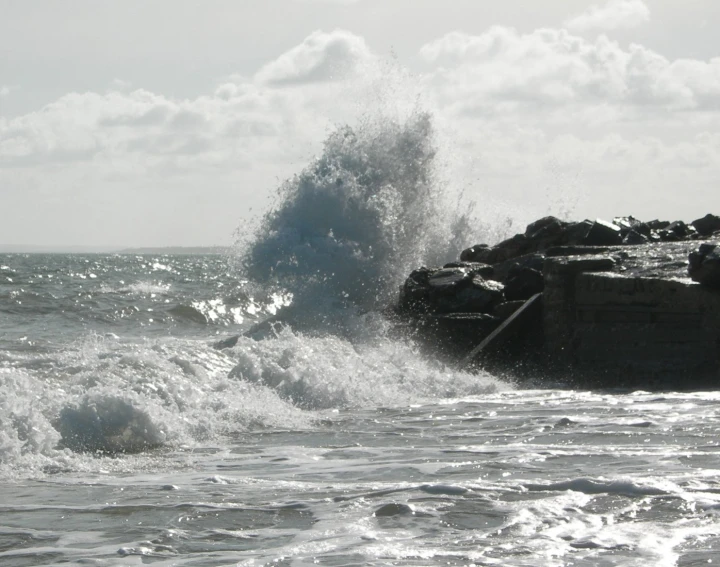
[352,224]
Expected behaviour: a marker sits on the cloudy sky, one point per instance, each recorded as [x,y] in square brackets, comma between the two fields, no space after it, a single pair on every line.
[171,122]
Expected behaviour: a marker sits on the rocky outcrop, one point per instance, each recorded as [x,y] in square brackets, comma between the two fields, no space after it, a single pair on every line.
[550,232]
[704,265]
[599,303]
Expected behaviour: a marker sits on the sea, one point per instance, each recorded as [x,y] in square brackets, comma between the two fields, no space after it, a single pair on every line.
[322,436]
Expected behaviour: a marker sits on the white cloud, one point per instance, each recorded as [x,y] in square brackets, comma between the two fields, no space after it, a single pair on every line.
[524,112]
[321,57]
[503,69]
[614,14]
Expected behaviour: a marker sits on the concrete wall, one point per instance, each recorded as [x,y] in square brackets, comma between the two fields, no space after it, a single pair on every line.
[604,329]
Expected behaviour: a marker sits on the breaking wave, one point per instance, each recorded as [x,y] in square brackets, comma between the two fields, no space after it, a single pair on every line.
[353,223]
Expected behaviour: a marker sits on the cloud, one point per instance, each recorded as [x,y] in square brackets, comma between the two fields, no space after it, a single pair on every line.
[614,14]
[502,69]
[244,120]
[5,90]
[522,113]
[321,57]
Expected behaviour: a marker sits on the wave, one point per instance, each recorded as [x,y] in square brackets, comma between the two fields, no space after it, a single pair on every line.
[348,228]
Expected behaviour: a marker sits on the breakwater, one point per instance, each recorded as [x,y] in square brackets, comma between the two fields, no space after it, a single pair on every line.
[594,303]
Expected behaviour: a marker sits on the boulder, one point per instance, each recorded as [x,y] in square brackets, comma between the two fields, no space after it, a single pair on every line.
[658,224]
[676,231]
[704,265]
[577,233]
[523,283]
[707,225]
[454,289]
[603,233]
[446,281]
[509,248]
[477,253]
[634,238]
[502,270]
[480,296]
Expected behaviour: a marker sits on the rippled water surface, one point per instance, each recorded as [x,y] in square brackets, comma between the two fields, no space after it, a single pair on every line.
[304,449]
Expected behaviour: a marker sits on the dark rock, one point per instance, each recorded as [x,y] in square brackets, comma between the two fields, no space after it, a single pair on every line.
[504,310]
[546,232]
[523,283]
[477,253]
[707,225]
[415,292]
[630,225]
[474,268]
[658,224]
[602,233]
[479,297]
[551,223]
[447,280]
[676,231]
[634,238]
[577,232]
[510,248]
[627,223]
[704,266]
[502,270]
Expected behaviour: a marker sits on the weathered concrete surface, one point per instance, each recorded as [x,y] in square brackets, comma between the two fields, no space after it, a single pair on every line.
[632,318]
[525,322]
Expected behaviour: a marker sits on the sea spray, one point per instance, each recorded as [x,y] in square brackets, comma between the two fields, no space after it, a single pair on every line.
[353,223]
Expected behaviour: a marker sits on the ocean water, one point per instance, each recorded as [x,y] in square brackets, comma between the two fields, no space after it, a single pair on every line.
[320,438]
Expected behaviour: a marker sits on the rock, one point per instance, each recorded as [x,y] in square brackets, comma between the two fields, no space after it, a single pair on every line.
[447,280]
[704,266]
[633,238]
[509,248]
[541,224]
[523,283]
[479,297]
[602,233]
[676,231]
[456,289]
[415,292]
[626,223]
[485,270]
[502,270]
[576,233]
[707,225]
[477,253]
[658,224]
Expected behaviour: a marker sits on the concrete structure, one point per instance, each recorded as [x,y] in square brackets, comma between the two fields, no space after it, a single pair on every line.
[631,318]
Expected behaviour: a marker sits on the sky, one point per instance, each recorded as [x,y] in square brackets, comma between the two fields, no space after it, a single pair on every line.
[172,122]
